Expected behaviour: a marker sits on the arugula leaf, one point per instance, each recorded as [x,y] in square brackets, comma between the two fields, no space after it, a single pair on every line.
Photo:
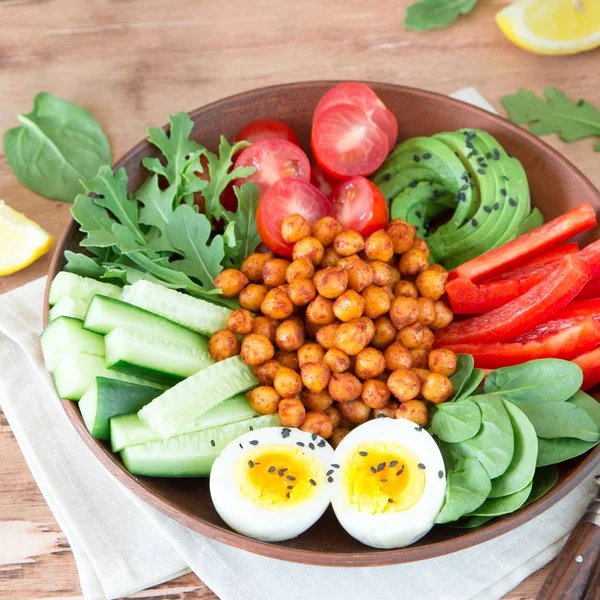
[556,114]
[82,264]
[430,14]
[56,145]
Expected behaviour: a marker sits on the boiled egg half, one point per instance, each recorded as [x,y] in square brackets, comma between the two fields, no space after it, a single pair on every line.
[272,484]
[390,483]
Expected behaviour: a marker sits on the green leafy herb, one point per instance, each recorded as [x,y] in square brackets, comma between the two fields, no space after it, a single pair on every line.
[562,420]
[56,146]
[494,507]
[455,422]
[551,452]
[431,14]
[464,368]
[570,119]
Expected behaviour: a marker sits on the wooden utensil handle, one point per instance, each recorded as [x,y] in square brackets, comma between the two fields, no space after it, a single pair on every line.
[593,588]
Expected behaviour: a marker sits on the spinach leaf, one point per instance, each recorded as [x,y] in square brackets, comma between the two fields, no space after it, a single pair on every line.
[562,420]
[471,386]
[469,522]
[464,368]
[522,466]
[536,381]
[455,422]
[557,450]
[467,487]
[493,446]
[56,146]
[588,403]
[494,507]
[543,481]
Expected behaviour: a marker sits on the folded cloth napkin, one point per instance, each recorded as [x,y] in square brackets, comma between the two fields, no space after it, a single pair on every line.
[122,545]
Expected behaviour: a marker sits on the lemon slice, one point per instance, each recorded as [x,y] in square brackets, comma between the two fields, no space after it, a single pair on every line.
[552,26]
[21,240]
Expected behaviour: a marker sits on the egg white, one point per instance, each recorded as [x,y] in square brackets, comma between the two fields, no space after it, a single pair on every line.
[249,519]
[392,529]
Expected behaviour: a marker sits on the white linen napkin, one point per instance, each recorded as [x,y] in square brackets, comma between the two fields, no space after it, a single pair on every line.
[122,545]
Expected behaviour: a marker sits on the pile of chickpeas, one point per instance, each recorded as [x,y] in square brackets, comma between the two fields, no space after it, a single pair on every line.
[344,332]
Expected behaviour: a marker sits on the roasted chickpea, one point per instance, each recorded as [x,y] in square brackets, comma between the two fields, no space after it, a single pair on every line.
[287,382]
[411,335]
[320,311]
[402,235]
[369,327]
[253,266]
[421,244]
[377,301]
[256,349]
[277,304]
[431,283]
[404,311]
[336,360]
[397,357]
[379,246]
[334,415]
[355,411]
[344,387]
[375,393]
[317,422]
[317,400]
[315,376]
[231,282]
[415,411]
[223,344]
[290,335]
[369,363]
[405,289]
[348,242]
[326,229]
[291,412]
[420,357]
[443,316]
[301,291]
[326,335]
[428,339]
[412,262]
[287,359]
[265,326]
[395,278]
[382,273]
[360,273]
[348,306]
[294,228]
[385,332]
[405,384]
[274,271]
[388,410]
[436,388]
[299,269]
[339,433]
[352,337]
[330,258]
[240,321]
[310,248]
[264,400]
[252,296]
[311,352]
[426,311]
[331,282]
[443,362]
[265,373]
[422,373]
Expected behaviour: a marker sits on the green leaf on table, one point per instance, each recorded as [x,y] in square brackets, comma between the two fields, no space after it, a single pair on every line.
[562,420]
[56,146]
[556,113]
[430,14]
[455,422]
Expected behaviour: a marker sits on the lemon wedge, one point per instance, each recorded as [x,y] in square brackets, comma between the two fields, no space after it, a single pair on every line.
[21,240]
[552,26]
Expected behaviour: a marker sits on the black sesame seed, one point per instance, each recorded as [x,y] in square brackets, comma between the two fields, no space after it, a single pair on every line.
[419,428]
[257,463]
[464,187]
[290,478]
[464,176]
[503,192]
[311,445]
[440,474]
[472,153]
[322,443]
[390,501]
[484,165]
[330,479]
[426,155]
[335,466]
[290,487]
[413,184]
[393,463]
[481,171]
[373,470]
[480,159]
[363,453]
[254,442]
[384,481]
[212,443]
[488,155]
[462,196]
[251,429]
[242,447]
[250,463]
[512,201]
[505,178]
[287,495]
[496,206]
[281,472]
[387,176]
[271,469]
[314,436]
[469,145]
[400,471]
[418,214]
[329,472]
[487,209]
[381,466]
[301,444]
[474,222]
[416,158]
[421,466]
[312,482]
[475,152]
[496,154]
[285,433]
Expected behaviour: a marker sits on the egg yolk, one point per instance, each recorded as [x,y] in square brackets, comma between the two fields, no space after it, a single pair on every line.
[382,477]
[278,477]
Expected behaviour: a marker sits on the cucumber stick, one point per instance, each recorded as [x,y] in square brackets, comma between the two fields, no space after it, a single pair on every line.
[190,312]
[128,430]
[106,314]
[189,455]
[107,398]
[64,336]
[68,307]
[81,288]
[187,401]
[151,357]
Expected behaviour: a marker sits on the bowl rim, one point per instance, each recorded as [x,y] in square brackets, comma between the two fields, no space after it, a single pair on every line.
[371,557]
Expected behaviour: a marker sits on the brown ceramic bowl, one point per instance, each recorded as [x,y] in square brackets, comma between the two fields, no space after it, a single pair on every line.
[556,186]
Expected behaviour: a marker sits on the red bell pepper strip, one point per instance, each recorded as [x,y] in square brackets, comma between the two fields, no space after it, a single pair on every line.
[523,313]
[590,290]
[564,338]
[590,365]
[580,308]
[527,245]
[591,255]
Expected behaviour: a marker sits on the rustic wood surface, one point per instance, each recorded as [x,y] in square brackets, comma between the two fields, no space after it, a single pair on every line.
[132,63]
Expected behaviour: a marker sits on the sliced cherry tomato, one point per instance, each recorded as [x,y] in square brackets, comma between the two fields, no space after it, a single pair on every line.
[286,197]
[358,204]
[321,180]
[523,313]
[527,245]
[361,95]
[346,142]
[266,129]
[590,365]
[590,290]
[274,160]
[561,338]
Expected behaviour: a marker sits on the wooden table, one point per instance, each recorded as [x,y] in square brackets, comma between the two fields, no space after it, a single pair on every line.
[131,63]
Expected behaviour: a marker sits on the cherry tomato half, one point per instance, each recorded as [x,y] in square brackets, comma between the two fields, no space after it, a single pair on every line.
[286,197]
[358,204]
[266,129]
[346,142]
[274,160]
[364,97]
[321,180]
